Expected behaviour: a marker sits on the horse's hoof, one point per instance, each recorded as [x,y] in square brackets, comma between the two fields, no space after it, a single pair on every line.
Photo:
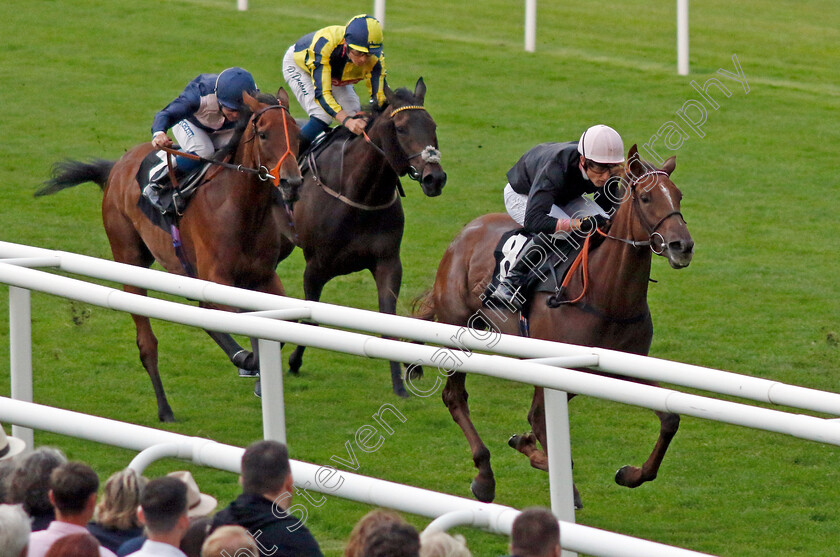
[258,389]
[249,373]
[517,441]
[414,373]
[624,476]
[401,392]
[166,417]
[245,360]
[294,364]
[483,491]
[578,501]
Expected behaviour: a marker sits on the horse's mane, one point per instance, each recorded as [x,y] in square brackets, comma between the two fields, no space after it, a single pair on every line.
[374,111]
[241,125]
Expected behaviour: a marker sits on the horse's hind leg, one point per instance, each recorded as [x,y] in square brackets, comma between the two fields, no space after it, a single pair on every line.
[128,247]
[313,285]
[147,344]
[455,397]
[631,476]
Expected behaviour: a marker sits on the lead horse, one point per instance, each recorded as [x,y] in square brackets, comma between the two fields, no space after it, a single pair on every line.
[613,312]
[349,216]
[229,231]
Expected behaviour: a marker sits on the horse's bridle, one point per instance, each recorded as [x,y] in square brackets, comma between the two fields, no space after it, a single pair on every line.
[651,230]
[261,171]
[429,153]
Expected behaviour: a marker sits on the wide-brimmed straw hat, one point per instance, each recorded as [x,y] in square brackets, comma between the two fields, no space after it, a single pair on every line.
[198,503]
[10,446]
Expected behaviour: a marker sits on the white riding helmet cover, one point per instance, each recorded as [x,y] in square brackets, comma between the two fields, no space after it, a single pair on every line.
[602,144]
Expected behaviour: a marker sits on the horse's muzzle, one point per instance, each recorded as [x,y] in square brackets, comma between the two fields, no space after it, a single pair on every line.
[290,188]
[680,253]
[433,180]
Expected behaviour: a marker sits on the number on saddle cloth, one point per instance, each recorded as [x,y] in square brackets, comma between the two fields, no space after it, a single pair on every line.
[548,273]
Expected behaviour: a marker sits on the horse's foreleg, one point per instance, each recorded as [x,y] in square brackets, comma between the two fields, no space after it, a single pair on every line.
[527,443]
[148,346]
[388,277]
[313,285]
[455,398]
[246,361]
[630,476]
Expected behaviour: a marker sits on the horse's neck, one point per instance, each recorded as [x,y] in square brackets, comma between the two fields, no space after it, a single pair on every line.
[363,173]
[619,272]
[244,188]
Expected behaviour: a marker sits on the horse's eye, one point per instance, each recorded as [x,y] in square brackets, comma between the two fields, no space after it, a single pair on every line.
[262,135]
[645,198]
[401,130]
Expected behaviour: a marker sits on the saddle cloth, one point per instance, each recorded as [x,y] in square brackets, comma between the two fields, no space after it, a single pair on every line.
[546,277]
[173,201]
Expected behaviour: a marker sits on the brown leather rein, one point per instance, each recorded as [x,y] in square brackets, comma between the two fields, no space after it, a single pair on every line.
[261,171]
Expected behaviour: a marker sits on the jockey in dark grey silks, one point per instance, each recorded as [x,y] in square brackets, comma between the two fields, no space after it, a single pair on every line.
[547,177]
[202,119]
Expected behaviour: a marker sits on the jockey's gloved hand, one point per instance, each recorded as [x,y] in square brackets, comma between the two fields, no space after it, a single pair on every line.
[590,223]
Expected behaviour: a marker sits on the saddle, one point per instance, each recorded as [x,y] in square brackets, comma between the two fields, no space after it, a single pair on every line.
[548,277]
[173,202]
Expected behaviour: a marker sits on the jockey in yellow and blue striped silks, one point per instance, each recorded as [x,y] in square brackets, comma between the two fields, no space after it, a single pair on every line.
[322,67]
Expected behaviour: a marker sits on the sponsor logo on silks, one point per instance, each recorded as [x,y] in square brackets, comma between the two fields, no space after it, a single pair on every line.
[295,75]
[187,128]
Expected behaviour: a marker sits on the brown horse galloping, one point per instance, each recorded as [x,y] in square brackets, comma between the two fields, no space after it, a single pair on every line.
[349,216]
[229,231]
[612,314]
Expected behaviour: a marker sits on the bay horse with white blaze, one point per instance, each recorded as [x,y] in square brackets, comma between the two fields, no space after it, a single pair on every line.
[349,216]
[613,312]
[230,229]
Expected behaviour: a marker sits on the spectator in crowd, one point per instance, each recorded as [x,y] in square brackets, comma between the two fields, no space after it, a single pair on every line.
[536,533]
[115,519]
[392,540]
[75,545]
[376,518]
[199,505]
[267,489]
[441,544]
[72,492]
[229,541]
[196,534]
[7,468]
[29,484]
[14,531]
[163,510]
[9,446]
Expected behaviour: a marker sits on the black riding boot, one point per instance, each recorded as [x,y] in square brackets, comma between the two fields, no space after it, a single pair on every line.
[511,290]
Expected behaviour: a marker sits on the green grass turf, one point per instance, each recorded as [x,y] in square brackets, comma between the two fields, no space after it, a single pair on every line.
[83,79]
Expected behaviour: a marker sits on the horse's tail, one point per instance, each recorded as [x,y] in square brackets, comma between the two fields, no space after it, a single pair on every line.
[423,306]
[68,173]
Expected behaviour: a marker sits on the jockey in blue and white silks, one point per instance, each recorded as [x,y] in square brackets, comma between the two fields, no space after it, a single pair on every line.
[322,67]
[203,116]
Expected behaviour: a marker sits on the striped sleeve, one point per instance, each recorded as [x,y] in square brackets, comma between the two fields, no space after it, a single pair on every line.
[322,73]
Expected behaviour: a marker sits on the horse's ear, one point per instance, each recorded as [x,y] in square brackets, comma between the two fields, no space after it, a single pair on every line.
[670,165]
[250,101]
[634,167]
[389,95]
[283,97]
[420,90]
